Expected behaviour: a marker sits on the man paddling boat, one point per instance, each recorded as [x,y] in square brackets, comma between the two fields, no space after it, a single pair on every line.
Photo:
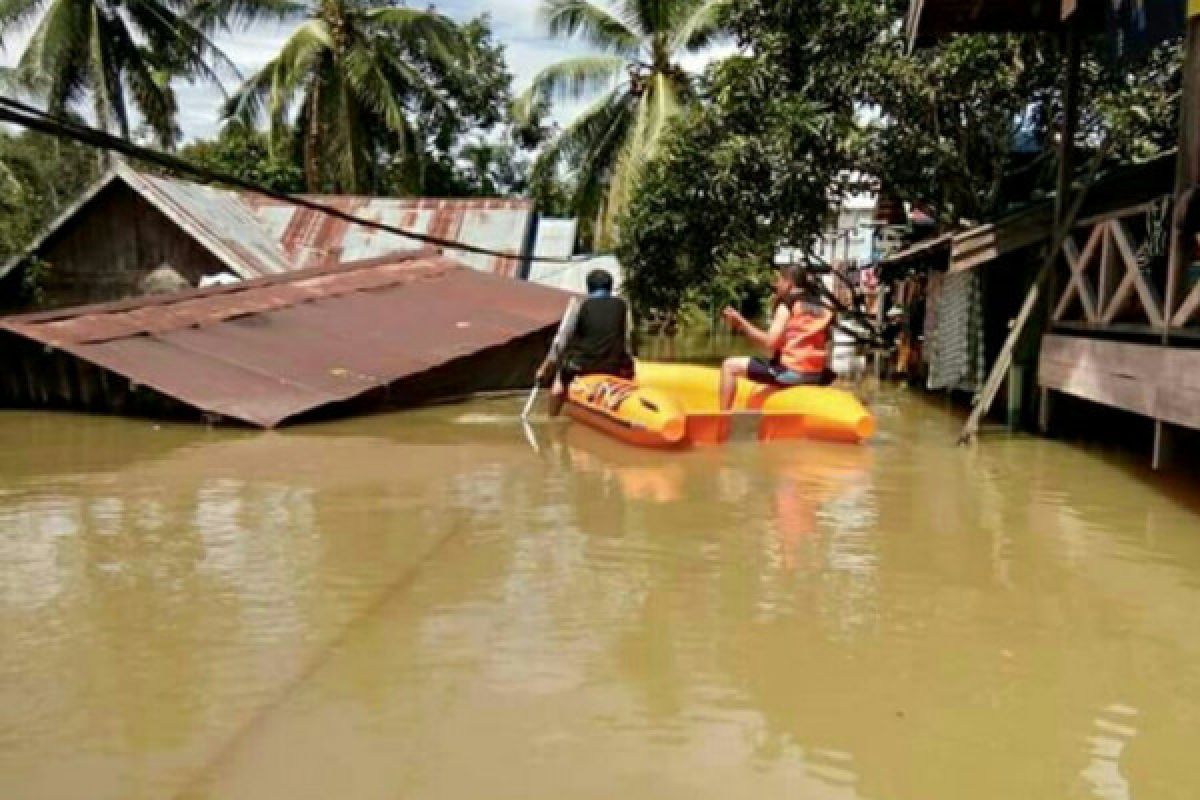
[598,343]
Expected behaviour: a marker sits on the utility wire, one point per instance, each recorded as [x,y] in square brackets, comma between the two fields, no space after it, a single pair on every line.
[35,119]
[32,118]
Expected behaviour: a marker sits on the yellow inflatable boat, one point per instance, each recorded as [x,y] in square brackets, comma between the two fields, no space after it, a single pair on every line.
[674,405]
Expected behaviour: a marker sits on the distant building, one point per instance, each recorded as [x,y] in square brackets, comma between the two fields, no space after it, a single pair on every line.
[850,238]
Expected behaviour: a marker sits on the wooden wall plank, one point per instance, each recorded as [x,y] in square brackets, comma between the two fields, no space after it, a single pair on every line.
[1179,405]
[1110,390]
[1158,382]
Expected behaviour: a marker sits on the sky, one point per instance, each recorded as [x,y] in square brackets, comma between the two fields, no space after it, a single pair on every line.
[514,24]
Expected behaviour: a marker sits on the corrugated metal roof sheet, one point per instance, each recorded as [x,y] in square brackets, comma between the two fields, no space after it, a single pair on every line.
[573,277]
[217,219]
[923,249]
[314,239]
[256,236]
[268,350]
[555,237]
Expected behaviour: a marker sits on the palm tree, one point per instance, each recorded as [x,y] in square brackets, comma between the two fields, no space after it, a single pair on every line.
[353,76]
[118,52]
[608,144]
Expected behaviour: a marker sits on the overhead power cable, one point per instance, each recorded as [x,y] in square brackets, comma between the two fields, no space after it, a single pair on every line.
[32,118]
[35,119]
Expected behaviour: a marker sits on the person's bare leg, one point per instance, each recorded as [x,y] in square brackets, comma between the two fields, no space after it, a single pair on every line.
[731,370]
[558,394]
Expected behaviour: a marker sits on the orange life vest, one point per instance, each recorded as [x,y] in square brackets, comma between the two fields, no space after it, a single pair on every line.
[805,338]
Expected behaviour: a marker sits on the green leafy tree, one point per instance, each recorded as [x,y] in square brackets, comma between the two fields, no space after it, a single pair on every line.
[757,163]
[470,145]
[39,177]
[824,88]
[970,125]
[643,89]
[734,180]
[245,154]
[122,54]
[365,84]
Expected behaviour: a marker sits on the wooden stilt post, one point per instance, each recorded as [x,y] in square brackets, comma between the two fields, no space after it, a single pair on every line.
[1187,166]
[1187,175]
[1161,455]
[1044,400]
[1066,144]
[1066,209]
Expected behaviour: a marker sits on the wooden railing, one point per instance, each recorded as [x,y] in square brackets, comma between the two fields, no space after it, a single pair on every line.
[1187,313]
[1107,284]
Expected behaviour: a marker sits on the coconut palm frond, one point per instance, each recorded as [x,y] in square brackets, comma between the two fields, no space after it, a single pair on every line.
[700,24]
[374,81]
[54,59]
[571,79]
[432,32]
[595,24]
[274,86]
[16,13]
[180,45]
[658,90]
[597,146]
[591,134]
[152,93]
[122,56]
[209,15]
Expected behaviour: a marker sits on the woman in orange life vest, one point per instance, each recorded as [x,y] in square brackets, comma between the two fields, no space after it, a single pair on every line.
[798,339]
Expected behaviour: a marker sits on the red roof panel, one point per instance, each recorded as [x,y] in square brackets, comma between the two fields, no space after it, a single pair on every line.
[268,350]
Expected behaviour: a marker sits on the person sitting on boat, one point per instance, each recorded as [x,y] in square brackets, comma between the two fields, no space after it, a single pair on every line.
[798,339]
[597,344]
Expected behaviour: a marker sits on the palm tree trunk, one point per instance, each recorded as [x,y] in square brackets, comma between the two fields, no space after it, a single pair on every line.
[312,140]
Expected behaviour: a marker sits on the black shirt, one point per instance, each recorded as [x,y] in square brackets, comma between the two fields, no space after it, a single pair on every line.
[598,342]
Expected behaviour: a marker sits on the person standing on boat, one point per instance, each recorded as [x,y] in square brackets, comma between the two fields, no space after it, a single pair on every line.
[597,345]
[798,340]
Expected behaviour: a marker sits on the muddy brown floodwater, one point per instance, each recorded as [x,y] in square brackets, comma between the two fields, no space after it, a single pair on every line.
[420,605]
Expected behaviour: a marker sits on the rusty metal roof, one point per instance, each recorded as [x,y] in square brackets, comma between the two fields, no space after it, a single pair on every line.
[217,219]
[314,239]
[256,236]
[268,350]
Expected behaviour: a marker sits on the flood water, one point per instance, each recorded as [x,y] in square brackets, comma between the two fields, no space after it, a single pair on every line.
[421,605]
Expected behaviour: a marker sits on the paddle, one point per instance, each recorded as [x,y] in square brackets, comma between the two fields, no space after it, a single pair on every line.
[565,328]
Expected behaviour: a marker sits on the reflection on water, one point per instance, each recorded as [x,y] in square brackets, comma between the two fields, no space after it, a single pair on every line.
[423,605]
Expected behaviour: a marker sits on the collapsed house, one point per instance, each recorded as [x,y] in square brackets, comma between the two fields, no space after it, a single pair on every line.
[175,299]
[300,345]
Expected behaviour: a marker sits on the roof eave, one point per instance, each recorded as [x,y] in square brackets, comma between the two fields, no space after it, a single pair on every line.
[135,181]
